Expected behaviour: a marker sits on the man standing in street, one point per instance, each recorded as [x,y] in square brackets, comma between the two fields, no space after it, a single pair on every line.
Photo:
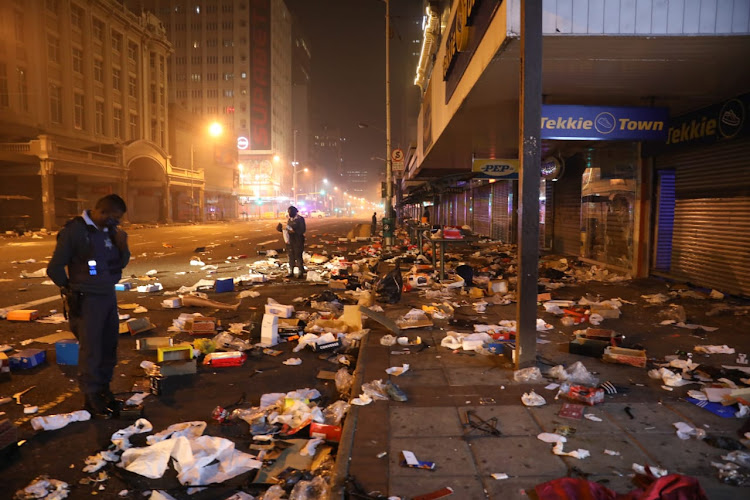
[95,251]
[295,225]
[374,226]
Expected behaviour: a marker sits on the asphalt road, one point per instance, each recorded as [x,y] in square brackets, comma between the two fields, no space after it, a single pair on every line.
[166,249]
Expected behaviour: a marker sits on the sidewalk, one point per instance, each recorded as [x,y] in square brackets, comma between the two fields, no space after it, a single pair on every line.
[443,385]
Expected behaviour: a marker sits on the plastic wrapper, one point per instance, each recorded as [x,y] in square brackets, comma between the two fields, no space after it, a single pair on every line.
[54,422]
[387,340]
[575,374]
[533,399]
[317,489]
[344,381]
[275,492]
[583,394]
[375,390]
[334,413]
[205,346]
[531,374]
[673,312]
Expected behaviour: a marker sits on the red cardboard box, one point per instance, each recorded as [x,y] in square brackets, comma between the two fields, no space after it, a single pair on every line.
[327,432]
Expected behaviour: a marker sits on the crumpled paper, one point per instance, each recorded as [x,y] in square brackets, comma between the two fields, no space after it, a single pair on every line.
[533,399]
[714,349]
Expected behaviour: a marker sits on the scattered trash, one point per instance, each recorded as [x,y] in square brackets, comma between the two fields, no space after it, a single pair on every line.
[533,399]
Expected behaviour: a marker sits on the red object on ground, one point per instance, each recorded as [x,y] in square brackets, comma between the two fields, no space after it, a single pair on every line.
[671,487]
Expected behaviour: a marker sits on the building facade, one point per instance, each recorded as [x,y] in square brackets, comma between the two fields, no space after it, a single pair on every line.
[644,150]
[83,110]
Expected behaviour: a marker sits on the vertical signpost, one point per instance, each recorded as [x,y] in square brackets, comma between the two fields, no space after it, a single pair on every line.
[529,146]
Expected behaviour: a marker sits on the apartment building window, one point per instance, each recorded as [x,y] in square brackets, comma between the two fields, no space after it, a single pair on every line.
[18,25]
[116,79]
[97,29]
[180,26]
[195,60]
[195,26]
[99,117]
[153,130]
[76,17]
[212,59]
[228,76]
[23,89]
[197,9]
[182,94]
[243,90]
[243,123]
[98,71]
[196,94]
[211,9]
[196,110]
[153,93]
[180,60]
[243,106]
[116,41]
[180,77]
[228,93]
[226,25]
[243,75]
[243,23]
[212,42]
[4,92]
[212,93]
[117,123]
[196,44]
[212,109]
[132,86]
[152,60]
[161,96]
[53,48]
[162,138]
[132,51]
[212,26]
[77,60]
[51,5]
[227,59]
[227,9]
[161,65]
[196,77]
[133,126]
[55,103]
[243,41]
[228,43]
[212,77]
[78,112]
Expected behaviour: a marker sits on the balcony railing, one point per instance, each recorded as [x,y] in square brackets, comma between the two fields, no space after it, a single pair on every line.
[15,147]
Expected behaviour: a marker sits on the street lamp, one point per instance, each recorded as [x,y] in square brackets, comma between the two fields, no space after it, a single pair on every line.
[215,129]
[294,178]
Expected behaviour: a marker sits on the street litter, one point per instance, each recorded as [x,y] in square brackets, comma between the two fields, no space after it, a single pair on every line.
[526,375]
[559,441]
[533,399]
[44,487]
[714,349]
[648,470]
[686,431]
[54,422]
[39,273]
[248,293]
[292,361]
[190,300]
[410,460]
[397,370]
[656,298]
[150,288]
[612,453]
[499,475]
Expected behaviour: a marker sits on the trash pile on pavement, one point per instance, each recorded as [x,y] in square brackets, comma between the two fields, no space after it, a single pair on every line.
[293,436]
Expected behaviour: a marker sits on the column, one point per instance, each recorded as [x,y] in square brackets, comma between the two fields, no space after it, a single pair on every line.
[48,193]
[167,200]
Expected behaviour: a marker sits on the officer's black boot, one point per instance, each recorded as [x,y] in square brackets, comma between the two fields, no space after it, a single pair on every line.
[97,406]
[114,404]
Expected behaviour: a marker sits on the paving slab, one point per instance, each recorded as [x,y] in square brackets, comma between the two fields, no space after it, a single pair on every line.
[513,488]
[549,420]
[649,418]
[601,463]
[512,420]
[699,417]
[482,375]
[464,487]
[425,422]
[690,457]
[517,456]
[451,455]
[421,377]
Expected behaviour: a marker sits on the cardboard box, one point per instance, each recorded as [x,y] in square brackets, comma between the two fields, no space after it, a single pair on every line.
[328,346]
[152,343]
[269,330]
[224,285]
[338,284]
[123,287]
[178,367]
[280,310]
[497,286]
[28,358]
[218,359]
[289,327]
[66,352]
[606,312]
[588,347]
[177,352]
[172,303]
[201,325]
[327,432]
[139,325]
[23,315]
[632,357]
[4,367]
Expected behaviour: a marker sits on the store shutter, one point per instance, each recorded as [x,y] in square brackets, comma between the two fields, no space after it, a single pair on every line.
[501,210]
[567,207]
[711,234]
[482,210]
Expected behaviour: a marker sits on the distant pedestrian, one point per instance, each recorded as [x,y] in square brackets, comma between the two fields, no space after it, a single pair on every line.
[374,226]
[426,216]
[296,228]
[94,251]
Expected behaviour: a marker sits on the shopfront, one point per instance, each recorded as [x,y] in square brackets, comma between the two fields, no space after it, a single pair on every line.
[702,198]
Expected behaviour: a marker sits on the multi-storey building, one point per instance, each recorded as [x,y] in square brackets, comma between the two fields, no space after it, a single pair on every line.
[83,110]
[232,65]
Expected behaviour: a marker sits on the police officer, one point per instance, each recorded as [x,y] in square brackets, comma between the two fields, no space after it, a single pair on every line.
[95,251]
[295,225]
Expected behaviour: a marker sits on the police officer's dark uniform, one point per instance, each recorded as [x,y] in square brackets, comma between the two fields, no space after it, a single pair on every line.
[296,226]
[94,258]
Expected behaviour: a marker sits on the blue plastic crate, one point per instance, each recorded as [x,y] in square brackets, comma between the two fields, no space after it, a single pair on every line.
[224,285]
[67,352]
[28,358]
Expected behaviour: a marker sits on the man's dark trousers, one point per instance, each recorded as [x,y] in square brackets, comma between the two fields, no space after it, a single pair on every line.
[97,330]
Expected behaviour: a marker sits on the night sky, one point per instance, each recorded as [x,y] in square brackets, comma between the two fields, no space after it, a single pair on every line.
[347,42]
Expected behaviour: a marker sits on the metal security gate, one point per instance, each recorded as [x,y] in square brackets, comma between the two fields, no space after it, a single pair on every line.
[482,210]
[711,232]
[502,208]
[567,207]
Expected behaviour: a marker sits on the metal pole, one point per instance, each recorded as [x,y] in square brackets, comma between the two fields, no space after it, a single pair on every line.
[388,164]
[192,192]
[529,145]
[294,166]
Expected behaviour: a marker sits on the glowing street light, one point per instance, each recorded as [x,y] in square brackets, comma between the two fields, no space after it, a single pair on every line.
[215,129]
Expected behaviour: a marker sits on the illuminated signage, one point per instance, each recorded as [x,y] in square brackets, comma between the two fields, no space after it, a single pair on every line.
[459,35]
[603,123]
[260,75]
[495,168]
[242,142]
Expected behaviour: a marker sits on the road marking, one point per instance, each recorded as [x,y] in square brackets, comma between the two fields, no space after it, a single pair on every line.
[26,305]
[48,406]
[267,242]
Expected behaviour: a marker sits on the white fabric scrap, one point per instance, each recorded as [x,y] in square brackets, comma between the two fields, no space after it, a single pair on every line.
[292,361]
[714,349]
[657,472]
[591,417]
